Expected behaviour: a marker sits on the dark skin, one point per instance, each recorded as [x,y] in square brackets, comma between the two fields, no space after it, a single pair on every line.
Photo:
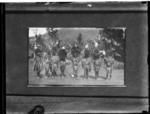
[54,73]
[96,70]
[109,64]
[38,54]
[62,56]
[96,57]
[86,56]
[75,51]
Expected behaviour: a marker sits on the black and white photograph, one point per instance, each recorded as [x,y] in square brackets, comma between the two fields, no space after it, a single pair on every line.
[76,56]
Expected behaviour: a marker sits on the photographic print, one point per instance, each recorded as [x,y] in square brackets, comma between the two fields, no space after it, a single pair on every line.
[76,56]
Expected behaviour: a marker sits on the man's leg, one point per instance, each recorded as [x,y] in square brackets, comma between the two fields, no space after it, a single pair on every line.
[107,73]
[62,70]
[75,70]
[86,70]
[110,73]
[96,74]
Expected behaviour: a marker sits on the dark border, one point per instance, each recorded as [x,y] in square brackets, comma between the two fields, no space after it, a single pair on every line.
[3,78]
[84,96]
[73,7]
[11,11]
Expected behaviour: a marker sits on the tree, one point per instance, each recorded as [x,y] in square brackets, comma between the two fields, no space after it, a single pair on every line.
[80,41]
[117,42]
[40,41]
[52,34]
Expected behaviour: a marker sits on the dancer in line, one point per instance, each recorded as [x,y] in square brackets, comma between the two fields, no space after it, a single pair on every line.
[109,61]
[86,61]
[62,58]
[75,51]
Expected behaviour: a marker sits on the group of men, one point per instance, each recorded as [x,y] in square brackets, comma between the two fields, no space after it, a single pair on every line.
[47,65]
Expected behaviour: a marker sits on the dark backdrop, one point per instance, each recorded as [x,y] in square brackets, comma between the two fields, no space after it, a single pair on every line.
[136,72]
